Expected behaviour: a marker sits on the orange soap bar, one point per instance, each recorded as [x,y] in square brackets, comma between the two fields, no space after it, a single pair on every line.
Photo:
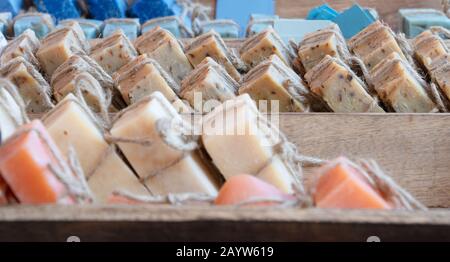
[244,188]
[24,165]
[342,186]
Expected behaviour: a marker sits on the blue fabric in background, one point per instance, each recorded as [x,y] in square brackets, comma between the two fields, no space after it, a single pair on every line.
[12,6]
[60,9]
[149,9]
[240,10]
[104,9]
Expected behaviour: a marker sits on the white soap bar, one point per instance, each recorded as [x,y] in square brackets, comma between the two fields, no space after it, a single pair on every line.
[11,109]
[25,45]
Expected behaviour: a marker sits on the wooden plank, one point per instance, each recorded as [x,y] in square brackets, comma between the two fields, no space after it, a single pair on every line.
[413,149]
[388,9]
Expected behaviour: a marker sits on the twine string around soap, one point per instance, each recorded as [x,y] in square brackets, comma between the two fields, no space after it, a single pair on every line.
[171,199]
[76,168]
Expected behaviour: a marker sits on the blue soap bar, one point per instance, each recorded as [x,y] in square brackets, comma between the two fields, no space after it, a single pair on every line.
[149,9]
[259,23]
[296,29]
[240,10]
[12,6]
[323,12]
[91,28]
[60,9]
[225,28]
[5,19]
[415,21]
[171,24]
[130,27]
[104,9]
[353,21]
[40,23]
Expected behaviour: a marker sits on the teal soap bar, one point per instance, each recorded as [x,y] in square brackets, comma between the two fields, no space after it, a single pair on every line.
[129,26]
[353,20]
[40,23]
[91,28]
[296,29]
[323,12]
[415,21]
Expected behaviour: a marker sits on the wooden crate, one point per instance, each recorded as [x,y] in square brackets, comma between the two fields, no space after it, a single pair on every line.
[414,149]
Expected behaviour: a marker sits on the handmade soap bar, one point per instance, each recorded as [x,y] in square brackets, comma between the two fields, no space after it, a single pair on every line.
[40,23]
[225,28]
[374,43]
[296,29]
[12,109]
[240,141]
[153,128]
[261,46]
[341,185]
[26,45]
[29,163]
[33,88]
[5,19]
[104,9]
[172,24]
[427,48]
[91,27]
[315,46]
[143,76]
[12,6]
[209,81]
[440,73]
[149,9]
[248,190]
[59,46]
[129,26]
[113,52]
[212,45]
[59,9]
[259,23]
[353,20]
[273,81]
[162,46]
[341,88]
[400,87]
[415,21]
[72,125]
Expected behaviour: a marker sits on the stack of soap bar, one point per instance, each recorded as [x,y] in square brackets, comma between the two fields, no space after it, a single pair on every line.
[341,185]
[40,23]
[343,91]
[12,109]
[59,46]
[353,20]
[33,88]
[240,141]
[71,125]
[374,43]
[174,165]
[27,161]
[11,6]
[261,46]
[243,189]
[427,48]
[415,21]
[272,81]
[225,28]
[5,19]
[91,27]
[129,26]
[172,24]
[26,46]
[207,83]
[149,9]
[212,45]
[315,46]
[59,9]
[296,29]
[143,76]
[113,52]
[259,23]
[162,46]
[398,86]
[104,9]
[440,73]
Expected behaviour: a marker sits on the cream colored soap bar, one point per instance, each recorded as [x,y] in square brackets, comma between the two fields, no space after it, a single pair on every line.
[59,46]
[275,86]
[208,82]
[239,141]
[397,84]
[212,45]
[12,109]
[113,52]
[25,45]
[159,145]
[440,73]
[427,48]
[343,91]
[261,46]
[72,125]
[374,43]
[33,88]
[315,46]
[160,45]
